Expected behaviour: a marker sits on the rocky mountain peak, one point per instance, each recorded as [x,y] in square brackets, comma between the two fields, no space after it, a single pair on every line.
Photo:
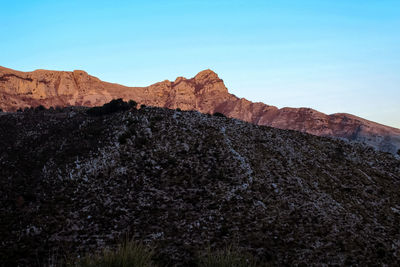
[80,72]
[207,82]
[179,79]
[206,76]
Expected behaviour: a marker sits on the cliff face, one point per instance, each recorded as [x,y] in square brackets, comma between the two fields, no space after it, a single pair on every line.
[52,88]
[205,92]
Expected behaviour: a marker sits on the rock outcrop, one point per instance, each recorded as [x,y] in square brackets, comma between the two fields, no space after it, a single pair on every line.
[205,92]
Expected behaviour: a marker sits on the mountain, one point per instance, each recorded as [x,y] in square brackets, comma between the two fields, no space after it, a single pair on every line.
[205,92]
[182,181]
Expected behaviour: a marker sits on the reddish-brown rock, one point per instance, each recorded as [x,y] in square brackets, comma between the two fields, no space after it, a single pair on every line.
[205,92]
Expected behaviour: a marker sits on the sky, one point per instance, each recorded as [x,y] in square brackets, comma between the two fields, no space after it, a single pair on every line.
[332,56]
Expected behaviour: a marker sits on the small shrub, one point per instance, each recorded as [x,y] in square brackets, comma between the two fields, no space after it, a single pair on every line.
[132,104]
[128,254]
[123,137]
[178,109]
[40,108]
[225,258]
[398,152]
[19,110]
[95,111]
[142,106]
[219,114]
[114,105]
[1,110]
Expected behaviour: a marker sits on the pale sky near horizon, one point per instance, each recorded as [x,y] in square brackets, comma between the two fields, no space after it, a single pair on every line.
[333,56]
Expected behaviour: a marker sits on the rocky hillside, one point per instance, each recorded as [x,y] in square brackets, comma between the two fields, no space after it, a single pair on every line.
[183,181]
[205,92]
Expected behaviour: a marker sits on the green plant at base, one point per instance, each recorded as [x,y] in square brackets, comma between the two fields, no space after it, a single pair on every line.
[227,257]
[130,253]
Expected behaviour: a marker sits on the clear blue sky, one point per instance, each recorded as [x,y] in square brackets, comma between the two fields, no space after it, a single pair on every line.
[333,56]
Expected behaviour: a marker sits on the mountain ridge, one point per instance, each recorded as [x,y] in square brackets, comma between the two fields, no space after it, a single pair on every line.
[205,92]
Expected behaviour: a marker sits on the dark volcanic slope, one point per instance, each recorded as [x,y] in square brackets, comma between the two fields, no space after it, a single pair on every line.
[205,92]
[183,181]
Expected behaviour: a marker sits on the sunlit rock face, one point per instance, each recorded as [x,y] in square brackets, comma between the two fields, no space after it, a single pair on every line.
[206,93]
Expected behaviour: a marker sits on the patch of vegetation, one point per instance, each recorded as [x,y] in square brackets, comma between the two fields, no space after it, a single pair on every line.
[398,152]
[130,253]
[40,108]
[219,114]
[225,258]
[132,104]
[113,106]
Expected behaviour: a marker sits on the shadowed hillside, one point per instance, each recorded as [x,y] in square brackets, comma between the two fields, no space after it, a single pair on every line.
[182,181]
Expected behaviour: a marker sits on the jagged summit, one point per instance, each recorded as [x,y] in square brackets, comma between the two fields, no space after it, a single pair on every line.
[80,72]
[205,92]
[179,79]
[206,76]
